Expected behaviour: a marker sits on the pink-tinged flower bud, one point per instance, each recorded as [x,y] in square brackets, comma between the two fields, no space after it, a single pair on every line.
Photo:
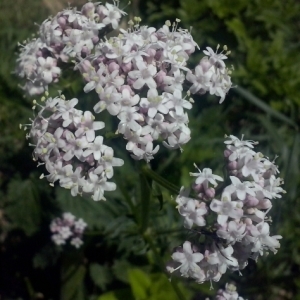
[198,188]
[76,25]
[85,66]
[128,88]
[264,204]
[101,59]
[40,53]
[151,52]
[90,160]
[158,54]
[130,81]
[261,182]
[62,22]
[126,67]
[113,66]
[159,78]
[88,10]
[85,51]
[250,211]
[95,39]
[148,138]
[248,221]
[100,11]
[251,201]
[205,64]
[232,165]
[227,153]
[210,192]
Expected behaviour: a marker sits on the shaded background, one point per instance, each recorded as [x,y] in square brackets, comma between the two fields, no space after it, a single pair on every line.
[117,261]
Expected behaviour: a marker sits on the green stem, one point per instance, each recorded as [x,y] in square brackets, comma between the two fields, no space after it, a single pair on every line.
[145,198]
[169,231]
[29,287]
[160,180]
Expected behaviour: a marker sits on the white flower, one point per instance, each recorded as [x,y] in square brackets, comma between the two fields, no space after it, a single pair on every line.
[206,176]
[76,242]
[226,208]
[144,75]
[262,239]
[240,188]
[193,212]
[48,68]
[188,259]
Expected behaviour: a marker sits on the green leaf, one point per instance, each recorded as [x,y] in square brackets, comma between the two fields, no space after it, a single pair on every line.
[120,269]
[124,294]
[72,277]
[24,194]
[108,296]
[48,256]
[140,283]
[92,212]
[264,106]
[101,275]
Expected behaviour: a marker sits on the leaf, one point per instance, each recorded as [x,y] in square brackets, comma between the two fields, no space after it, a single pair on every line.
[140,283]
[24,195]
[120,270]
[265,107]
[101,275]
[72,277]
[48,256]
[92,212]
[124,294]
[108,296]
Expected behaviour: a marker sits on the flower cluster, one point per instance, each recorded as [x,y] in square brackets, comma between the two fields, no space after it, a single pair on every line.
[69,35]
[138,75]
[231,218]
[66,142]
[66,228]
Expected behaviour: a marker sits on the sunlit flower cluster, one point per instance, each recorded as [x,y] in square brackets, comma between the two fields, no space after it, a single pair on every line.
[139,77]
[229,220]
[139,74]
[69,35]
[66,229]
[65,141]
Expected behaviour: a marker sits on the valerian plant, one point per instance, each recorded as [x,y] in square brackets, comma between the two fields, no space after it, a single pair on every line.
[142,79]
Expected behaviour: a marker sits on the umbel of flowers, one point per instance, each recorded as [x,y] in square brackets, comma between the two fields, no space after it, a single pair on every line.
[139,76]
[228,221]
[67,229]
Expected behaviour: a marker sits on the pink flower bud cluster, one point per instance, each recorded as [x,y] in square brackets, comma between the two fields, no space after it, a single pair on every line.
[67,229]
[36,64]
[69,35]
[65,141]
[234,225]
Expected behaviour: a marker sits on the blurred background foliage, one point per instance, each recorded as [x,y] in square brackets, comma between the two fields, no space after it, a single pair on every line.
[128,242]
